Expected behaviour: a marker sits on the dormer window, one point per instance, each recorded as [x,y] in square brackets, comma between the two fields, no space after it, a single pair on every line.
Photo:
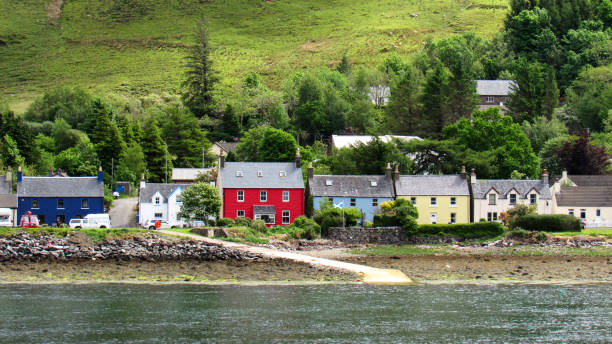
[283,173]
[533,199]
[373,183]
[157,200]
[492,199]
[239,174]
[329,182]
[260,173]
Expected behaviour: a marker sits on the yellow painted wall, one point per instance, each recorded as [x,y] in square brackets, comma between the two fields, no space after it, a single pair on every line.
[443,209]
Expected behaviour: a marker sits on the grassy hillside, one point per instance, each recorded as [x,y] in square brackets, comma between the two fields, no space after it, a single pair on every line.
[137,46]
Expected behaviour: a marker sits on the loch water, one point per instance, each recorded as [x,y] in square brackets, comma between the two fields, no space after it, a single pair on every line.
[135,313]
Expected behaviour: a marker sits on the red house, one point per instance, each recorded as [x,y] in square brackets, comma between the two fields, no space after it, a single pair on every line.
[270,191]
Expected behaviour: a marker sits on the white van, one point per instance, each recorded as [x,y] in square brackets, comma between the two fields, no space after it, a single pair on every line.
[6,219]
[85,223]
[103,220]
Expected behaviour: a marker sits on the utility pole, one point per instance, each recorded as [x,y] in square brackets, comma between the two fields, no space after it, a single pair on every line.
[112,172]
[203,157]
[166,146]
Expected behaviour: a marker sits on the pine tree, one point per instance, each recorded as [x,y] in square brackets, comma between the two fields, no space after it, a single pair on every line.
[201,78]
[435,100]
[155,153]
[344,67]
[105,136]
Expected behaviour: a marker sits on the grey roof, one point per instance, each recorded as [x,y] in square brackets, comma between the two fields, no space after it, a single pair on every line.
[584,196]
[587,180]
[494,87]
[270,175]
[264,209]
[60,187]
[188,173]
[165,190]
[227,146]
[504,186]
[447,185]
[5,187]
[350,186]
[8,201]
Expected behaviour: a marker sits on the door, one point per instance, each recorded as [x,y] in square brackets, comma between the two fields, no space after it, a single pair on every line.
[433,218]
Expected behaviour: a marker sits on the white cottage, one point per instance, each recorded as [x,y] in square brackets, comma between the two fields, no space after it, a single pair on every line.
[160,201]
[494,196]
[588,197]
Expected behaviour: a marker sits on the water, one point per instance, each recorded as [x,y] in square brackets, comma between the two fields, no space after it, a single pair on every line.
[311,314]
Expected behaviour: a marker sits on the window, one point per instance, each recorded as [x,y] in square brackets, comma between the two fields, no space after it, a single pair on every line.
[329,182]
[157,200]
[433,202]
[533,198]
[492,216]
[453,218]
[263,196]
[598,212]
[331,200]
[283,173]
[84,203]
[489,99]
[413,200]
[375,202]
[512,198]
[268,219]
[286,217]
[453,201]
[60,203]
[179,199]
[373,183]
[260,173]
[240,196]
[158,215]
[353,202]
[240,213]
[433,218]
[286,196]
[35,203]
[583,214]
[239,174]
[492,199]
[570,211]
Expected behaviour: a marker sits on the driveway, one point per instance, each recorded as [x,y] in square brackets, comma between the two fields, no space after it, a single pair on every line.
[123,214]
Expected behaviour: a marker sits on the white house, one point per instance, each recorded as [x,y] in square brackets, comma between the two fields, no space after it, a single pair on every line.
[160,201]
[494,196]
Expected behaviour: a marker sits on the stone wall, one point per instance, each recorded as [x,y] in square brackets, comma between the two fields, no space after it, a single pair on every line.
[382,236]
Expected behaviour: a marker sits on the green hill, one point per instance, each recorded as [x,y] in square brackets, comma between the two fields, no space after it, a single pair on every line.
[137,46]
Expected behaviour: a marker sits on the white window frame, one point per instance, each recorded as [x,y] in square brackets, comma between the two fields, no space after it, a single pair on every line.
[157,200]
[240,196]
[375,202]
[286,214]
[490,99]
[85,200]
[453,218]
[510,197]
[238,213]
[63,203]
[583,214]
[533,199]
[433,218]
[353,202]
[263,195]
[260,174]
[161,215]
[271,217]
[453,201]
[598,212]
[433,202]
[286,193]
[492,216]
[239,174]
[37,203]
[570,211]
[492,199]
[283,173]
[413,200]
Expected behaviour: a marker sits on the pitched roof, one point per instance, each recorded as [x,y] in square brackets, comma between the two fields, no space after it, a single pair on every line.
[584,196]
[494,87]
[351,186]
[165,190]
[227,146]
[188,173]
[261,175]
[587,180]
[341,141]
[8,201]
[60,187]
[503,187]
[446,185]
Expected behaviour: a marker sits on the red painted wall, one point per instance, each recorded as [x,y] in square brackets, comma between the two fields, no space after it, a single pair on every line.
[275,198]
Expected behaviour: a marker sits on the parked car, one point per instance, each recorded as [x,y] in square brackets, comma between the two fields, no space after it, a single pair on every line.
[157,224]
[29,221]
[103,220]
[86,223]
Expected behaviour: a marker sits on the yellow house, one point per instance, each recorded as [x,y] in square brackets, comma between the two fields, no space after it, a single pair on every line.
[439,199]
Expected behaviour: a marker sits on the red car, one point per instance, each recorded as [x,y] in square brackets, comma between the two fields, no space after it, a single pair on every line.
[29,221]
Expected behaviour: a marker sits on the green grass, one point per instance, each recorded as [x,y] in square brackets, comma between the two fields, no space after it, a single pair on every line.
[405,250]
[606,232]
[141,51]
[96,235]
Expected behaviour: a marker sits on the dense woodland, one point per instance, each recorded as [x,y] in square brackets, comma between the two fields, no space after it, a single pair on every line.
[559,52]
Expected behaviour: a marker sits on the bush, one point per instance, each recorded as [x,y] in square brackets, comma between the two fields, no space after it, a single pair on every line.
[225,222]
[398,213]
[306,228]
[259,226]
[243,221]
[386,220]
[526,236]
[547,223]
[463,230]
[328,216]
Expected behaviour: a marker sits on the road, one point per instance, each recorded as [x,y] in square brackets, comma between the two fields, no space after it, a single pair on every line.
[123,214]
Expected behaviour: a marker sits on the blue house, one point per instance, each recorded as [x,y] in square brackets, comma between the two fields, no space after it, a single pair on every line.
[57,199]
[365,193]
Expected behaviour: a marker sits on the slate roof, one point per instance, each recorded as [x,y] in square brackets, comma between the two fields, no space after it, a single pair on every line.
[150,189]
[350,186]
[270,175]
[60,187]
[8,201]
[504,186]
[584,196]
[425,185]
[188,173]
[264,209]
[587,180]
[227,146]
[341,141]
[494,87]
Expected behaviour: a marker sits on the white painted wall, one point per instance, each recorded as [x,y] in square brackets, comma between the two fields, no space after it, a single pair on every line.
[482,206]
[169,208]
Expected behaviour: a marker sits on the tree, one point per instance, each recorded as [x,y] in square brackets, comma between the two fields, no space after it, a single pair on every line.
[20,132]
[370,158]
[542,130]
[548,155]
[590,97]
[71,104]
[344,67]
[200,201]
[581,157]
[181,130]
[155,152]
[200,77]
[490,131]
[535,91]
[404,107]
[9,152]
[266,144]
[80,160]
[105,136]
[436,100]
[64,136]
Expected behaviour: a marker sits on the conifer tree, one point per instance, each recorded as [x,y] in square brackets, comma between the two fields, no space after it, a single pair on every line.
[105,136]
[155,153]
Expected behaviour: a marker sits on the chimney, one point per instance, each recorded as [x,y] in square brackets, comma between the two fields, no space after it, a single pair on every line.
[50,172]
[545,177]
[473,177]
[388,171]
[221,161]
[463,173]
[298,158]
[142,181]
[564,174]
[100,175]
[19,175]
[396,173]
[310,171]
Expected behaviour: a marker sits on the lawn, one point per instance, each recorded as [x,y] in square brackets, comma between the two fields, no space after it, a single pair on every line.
[96,235]
[139,49]
[606,232]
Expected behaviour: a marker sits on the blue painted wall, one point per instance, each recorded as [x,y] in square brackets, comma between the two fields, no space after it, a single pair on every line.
[47,206]
[364,204]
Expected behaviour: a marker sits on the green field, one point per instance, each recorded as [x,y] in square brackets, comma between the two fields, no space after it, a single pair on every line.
[136,47]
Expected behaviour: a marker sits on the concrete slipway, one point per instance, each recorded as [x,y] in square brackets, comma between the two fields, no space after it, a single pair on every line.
[369,274]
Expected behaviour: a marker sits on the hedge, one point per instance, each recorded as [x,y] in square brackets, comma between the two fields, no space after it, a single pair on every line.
[463,230]
[386,220]
[547,223]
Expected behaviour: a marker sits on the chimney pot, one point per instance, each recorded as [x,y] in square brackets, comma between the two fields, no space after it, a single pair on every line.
[473,176]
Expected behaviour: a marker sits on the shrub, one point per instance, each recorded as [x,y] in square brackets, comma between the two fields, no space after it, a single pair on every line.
[463,230]
[526,236]
[547,223]
[516,212]
[225,222]
[386,220]
[243,221]
[398,213]
[259,226]
[517,233]
[328,216]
